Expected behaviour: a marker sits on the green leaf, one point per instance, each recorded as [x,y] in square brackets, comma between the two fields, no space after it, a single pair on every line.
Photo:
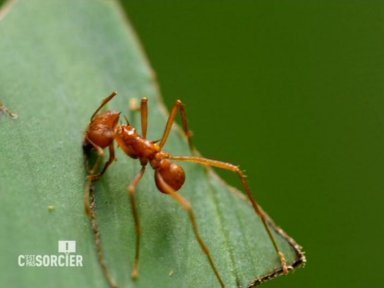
[59,59]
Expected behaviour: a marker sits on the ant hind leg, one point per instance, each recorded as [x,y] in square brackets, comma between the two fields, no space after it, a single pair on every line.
[131,192]
[259,211]
[188,208]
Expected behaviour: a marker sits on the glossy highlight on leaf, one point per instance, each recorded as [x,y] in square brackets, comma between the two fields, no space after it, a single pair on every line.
[59,59]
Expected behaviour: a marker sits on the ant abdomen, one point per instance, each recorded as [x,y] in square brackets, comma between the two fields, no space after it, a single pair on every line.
[171,173]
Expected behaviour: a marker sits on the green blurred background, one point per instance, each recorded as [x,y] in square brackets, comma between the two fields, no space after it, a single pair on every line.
[292,91]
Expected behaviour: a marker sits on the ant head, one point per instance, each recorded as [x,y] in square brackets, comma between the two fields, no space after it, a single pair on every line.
[169,174]
[101,129]
[107,119]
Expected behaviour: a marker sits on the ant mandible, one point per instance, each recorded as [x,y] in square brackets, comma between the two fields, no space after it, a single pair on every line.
[104,129]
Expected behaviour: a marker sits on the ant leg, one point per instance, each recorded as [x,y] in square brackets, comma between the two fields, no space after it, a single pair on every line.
[91,177]
[179,106]
[144,116]
[91,172]
[188,208]
[259,211]
[105,101]
[91,213]
[131,192]
[100,153]
[111,158]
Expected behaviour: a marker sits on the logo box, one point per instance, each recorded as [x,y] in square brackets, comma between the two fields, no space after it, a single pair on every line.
[67,246]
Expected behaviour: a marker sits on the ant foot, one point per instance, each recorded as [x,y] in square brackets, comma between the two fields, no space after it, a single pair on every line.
[135,273]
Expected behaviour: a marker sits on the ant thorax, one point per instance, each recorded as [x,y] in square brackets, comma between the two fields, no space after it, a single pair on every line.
[134,145]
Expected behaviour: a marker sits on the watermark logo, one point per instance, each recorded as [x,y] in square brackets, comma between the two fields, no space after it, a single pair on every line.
[66,246]
[66,258]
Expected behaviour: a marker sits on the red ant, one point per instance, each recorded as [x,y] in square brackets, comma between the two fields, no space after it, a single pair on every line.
[104,129]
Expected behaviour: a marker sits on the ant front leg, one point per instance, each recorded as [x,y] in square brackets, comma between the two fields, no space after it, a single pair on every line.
[111,158]
[100,154]
[188,208]
[144,116]
[132,192]
[91,177]
[87,147]
[179,106]
[259,211]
